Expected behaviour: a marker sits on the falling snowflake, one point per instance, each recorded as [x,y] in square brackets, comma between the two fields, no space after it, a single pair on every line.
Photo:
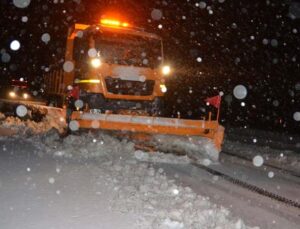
[21,111]
[68,66]
[46,38]
[21,3]
[51,180]
[15,45]
[258,161]
[240,92]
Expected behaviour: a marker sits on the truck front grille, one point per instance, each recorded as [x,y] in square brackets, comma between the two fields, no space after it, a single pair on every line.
[128,87]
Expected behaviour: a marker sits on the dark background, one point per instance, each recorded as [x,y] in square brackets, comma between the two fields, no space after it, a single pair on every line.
[228,35]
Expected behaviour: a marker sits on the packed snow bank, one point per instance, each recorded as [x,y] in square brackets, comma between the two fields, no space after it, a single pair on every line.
[29,127]
[157,157]
[2,116]
[137,188]
[198,148]
[100,144]
[163,204]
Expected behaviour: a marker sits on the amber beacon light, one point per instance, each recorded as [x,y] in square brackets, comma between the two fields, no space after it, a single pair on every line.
[113,23]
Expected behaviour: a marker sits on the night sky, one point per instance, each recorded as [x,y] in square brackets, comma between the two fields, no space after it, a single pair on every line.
[213,45]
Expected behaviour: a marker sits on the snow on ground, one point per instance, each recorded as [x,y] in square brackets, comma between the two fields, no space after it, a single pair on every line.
[158,157]
[286,159]
[2,116]
[132,187]
[277,149]
[29,127]
[102,145]
[133,183]
[255,209]
[195,147]
[98,145]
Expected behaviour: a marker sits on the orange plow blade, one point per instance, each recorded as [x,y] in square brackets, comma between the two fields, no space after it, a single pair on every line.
[151,125]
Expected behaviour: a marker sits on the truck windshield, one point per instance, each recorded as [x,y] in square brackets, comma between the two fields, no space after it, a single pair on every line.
[124,49]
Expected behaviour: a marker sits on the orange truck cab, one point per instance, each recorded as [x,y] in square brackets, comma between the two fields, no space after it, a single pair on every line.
[116,66]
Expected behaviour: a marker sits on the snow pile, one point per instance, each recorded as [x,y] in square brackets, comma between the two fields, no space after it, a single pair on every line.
[160,203]
[157,157]
[137,188]
[98,146]
[101,146]
[198,148]
[29,127]
[55,118]
[2,116]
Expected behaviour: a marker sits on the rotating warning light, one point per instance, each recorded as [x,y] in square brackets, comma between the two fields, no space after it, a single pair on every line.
[113,23]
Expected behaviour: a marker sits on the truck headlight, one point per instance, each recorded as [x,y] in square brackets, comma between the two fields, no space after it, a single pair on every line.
[166,70]
[12,94]
[25,96]
[96,62]
[163,88]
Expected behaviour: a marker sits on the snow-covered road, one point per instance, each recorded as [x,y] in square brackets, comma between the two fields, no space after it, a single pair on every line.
[46,193]
[256,210]
[102,189]
[94,180]
[114,192]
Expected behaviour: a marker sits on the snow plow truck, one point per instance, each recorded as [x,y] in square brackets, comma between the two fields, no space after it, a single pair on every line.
[113,78]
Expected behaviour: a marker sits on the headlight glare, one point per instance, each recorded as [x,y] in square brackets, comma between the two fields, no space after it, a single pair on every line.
[25,96]
[163,88]
[166,70]
[12,94]
[96,62]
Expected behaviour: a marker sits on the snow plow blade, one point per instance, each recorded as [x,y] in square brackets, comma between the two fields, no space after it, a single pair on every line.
[151,125]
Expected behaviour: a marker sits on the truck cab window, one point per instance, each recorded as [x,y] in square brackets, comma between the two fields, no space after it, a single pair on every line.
[80,55]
